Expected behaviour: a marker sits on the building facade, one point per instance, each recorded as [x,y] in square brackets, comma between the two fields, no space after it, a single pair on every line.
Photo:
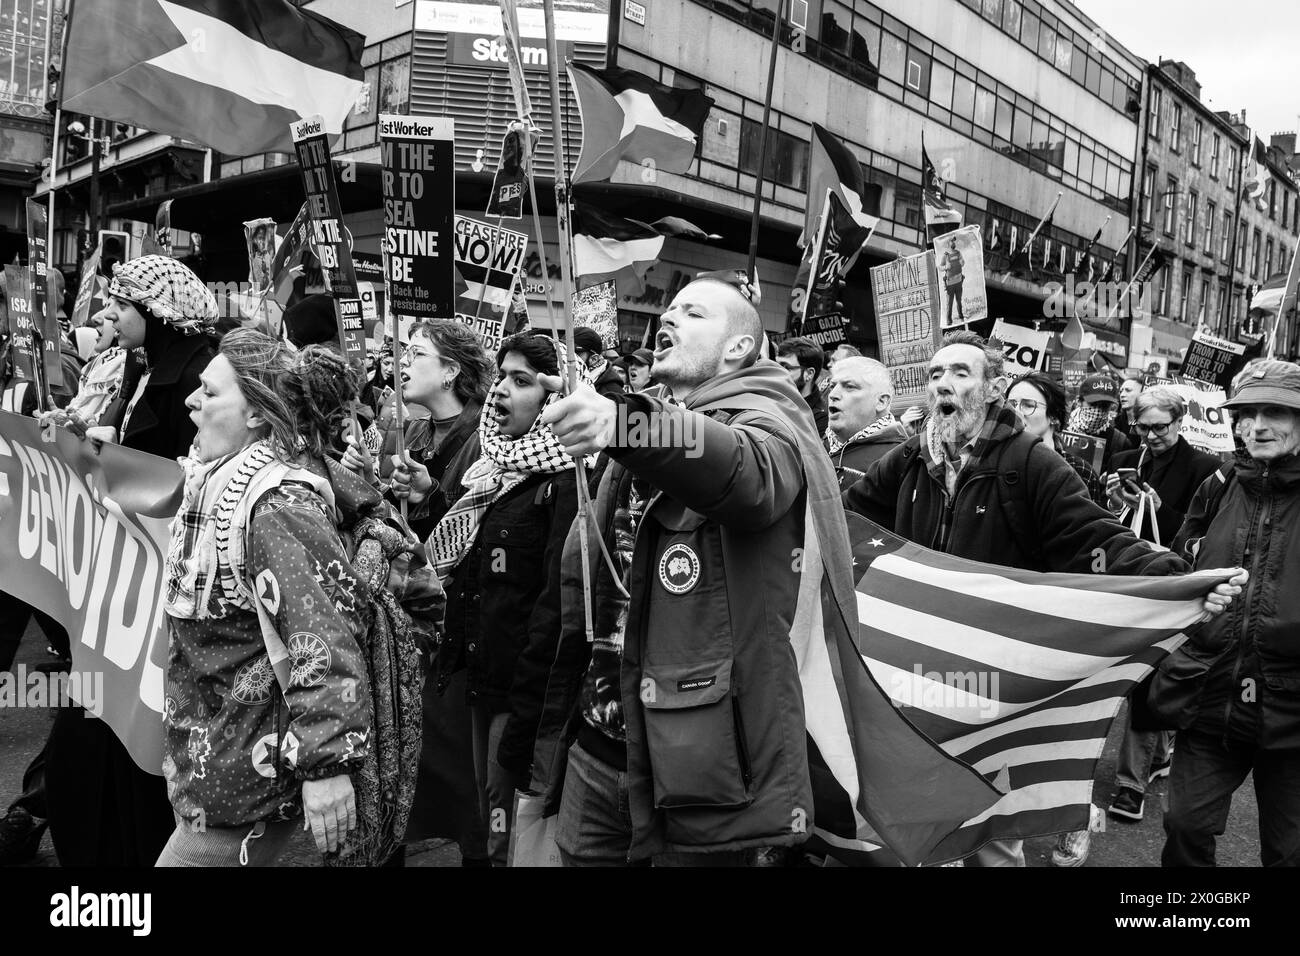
[29,41]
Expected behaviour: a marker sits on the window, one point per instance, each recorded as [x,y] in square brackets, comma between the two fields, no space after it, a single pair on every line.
[1254,255]
[1171,190]
[984,101]
[1226,237]
[1197,130]
[835,26]
[1189,233]
[1148,193]
[917,78]
[893,58]
[1064,54]
[1162,295]
[1011,17]
[1153,121]
[1215,143]
[1272,198]
[1233,167]
[1176,127]
[1208,245]
[1205,299]
[963,97]
[1242,240]
[787,156]
[1268,258]
[1185,297]
[993,11]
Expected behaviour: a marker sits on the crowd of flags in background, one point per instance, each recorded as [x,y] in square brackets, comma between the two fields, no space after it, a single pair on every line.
[139,63]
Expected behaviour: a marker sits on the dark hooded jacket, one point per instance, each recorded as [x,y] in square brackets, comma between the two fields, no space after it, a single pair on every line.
[854,458]
[1249,656]
[1017,503]
[160,423]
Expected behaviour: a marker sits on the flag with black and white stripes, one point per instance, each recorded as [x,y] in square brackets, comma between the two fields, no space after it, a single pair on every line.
[1016,673]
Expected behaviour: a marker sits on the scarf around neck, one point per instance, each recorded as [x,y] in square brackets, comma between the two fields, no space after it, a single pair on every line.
[887,420]
[206,568]
[505,463]
[1090,420]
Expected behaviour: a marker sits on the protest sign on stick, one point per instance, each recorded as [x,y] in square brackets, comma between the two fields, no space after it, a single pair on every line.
[23,345]
[905,292]
[959,256]
[1213,360]
[87,288]
[596,308]
[419,187]
[326,218]
[489,260]
[1024,350]
[45,314]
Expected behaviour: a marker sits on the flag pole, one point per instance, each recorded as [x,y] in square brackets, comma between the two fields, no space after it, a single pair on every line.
[563,229]
[1034,235]
[523,106]
[762,140]
[1133,278]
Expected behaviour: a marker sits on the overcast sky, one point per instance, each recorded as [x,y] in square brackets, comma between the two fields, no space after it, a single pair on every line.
[1245,52]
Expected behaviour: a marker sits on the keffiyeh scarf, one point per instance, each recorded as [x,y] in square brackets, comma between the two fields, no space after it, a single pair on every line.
[505,462]
[887,420]
[206,571]
[1091,420]
[167,289]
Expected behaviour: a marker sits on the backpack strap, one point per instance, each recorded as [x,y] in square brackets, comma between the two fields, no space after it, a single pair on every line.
[1013,495]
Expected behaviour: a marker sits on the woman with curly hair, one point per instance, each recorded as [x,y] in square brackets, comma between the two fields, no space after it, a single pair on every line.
[268,708]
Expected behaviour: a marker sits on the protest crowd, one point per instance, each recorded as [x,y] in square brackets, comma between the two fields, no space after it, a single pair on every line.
[703,601]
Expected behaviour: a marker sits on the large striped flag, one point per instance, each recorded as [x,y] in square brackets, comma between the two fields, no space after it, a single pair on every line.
[230,74]
[1015,673]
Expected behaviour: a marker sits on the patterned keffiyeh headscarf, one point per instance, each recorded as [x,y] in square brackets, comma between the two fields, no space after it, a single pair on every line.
[505,462]
[167,289]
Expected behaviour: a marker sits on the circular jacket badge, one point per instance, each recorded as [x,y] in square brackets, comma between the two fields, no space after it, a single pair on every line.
[679,569]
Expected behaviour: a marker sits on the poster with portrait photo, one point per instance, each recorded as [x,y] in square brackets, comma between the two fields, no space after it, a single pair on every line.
[959,259]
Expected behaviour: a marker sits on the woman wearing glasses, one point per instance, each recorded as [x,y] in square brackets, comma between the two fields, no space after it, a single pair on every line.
[1041,403]
[1168,471]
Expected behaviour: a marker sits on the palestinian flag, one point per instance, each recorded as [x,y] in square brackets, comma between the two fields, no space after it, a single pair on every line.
[628,116]
[832,166]
[609,247]
[230,74]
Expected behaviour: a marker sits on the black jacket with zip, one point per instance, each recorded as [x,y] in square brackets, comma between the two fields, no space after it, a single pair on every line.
[1019,504]
[1252,690]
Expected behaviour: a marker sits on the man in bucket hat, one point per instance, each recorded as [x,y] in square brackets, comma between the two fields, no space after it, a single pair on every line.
[1233,690]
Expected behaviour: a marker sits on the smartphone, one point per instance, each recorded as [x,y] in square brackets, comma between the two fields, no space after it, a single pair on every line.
[1128,478]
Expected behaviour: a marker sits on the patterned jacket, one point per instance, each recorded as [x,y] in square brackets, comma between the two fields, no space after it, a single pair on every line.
[237,748]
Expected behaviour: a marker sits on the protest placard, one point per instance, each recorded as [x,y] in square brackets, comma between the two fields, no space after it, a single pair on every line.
[1213,360]
[905,292]
[959,257]
[1089,448]
[1024,350]
[489,260]
[596,307]
[826,330]
[1206,424]
[87,288]
[23,345]
[418,155]
[44,314]
[84,534]
[326,235]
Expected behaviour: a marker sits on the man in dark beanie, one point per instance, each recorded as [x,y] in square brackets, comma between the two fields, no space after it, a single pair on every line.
[589,347]
[1095,412]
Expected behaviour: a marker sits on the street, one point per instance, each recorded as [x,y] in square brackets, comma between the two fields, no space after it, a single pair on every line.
[1122,845]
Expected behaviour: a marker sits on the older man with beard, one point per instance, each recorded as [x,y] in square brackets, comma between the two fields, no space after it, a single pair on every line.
[975,484]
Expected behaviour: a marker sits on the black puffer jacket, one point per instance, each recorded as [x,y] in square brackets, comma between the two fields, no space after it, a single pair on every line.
[506,592]
[1017,504]
[1252,691]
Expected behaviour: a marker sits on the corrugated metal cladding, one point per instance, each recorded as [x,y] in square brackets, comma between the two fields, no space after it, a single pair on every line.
[480,101]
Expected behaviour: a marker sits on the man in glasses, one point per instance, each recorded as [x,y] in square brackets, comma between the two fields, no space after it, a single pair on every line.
[1166,471]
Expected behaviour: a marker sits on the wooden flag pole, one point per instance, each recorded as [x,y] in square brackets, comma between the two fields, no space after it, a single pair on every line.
[562,225]
[762,141]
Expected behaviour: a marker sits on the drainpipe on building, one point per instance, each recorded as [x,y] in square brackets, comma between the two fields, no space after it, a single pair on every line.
[1236,234]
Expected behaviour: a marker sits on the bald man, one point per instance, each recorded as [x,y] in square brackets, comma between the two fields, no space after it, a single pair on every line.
[862,428]
[679,729]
